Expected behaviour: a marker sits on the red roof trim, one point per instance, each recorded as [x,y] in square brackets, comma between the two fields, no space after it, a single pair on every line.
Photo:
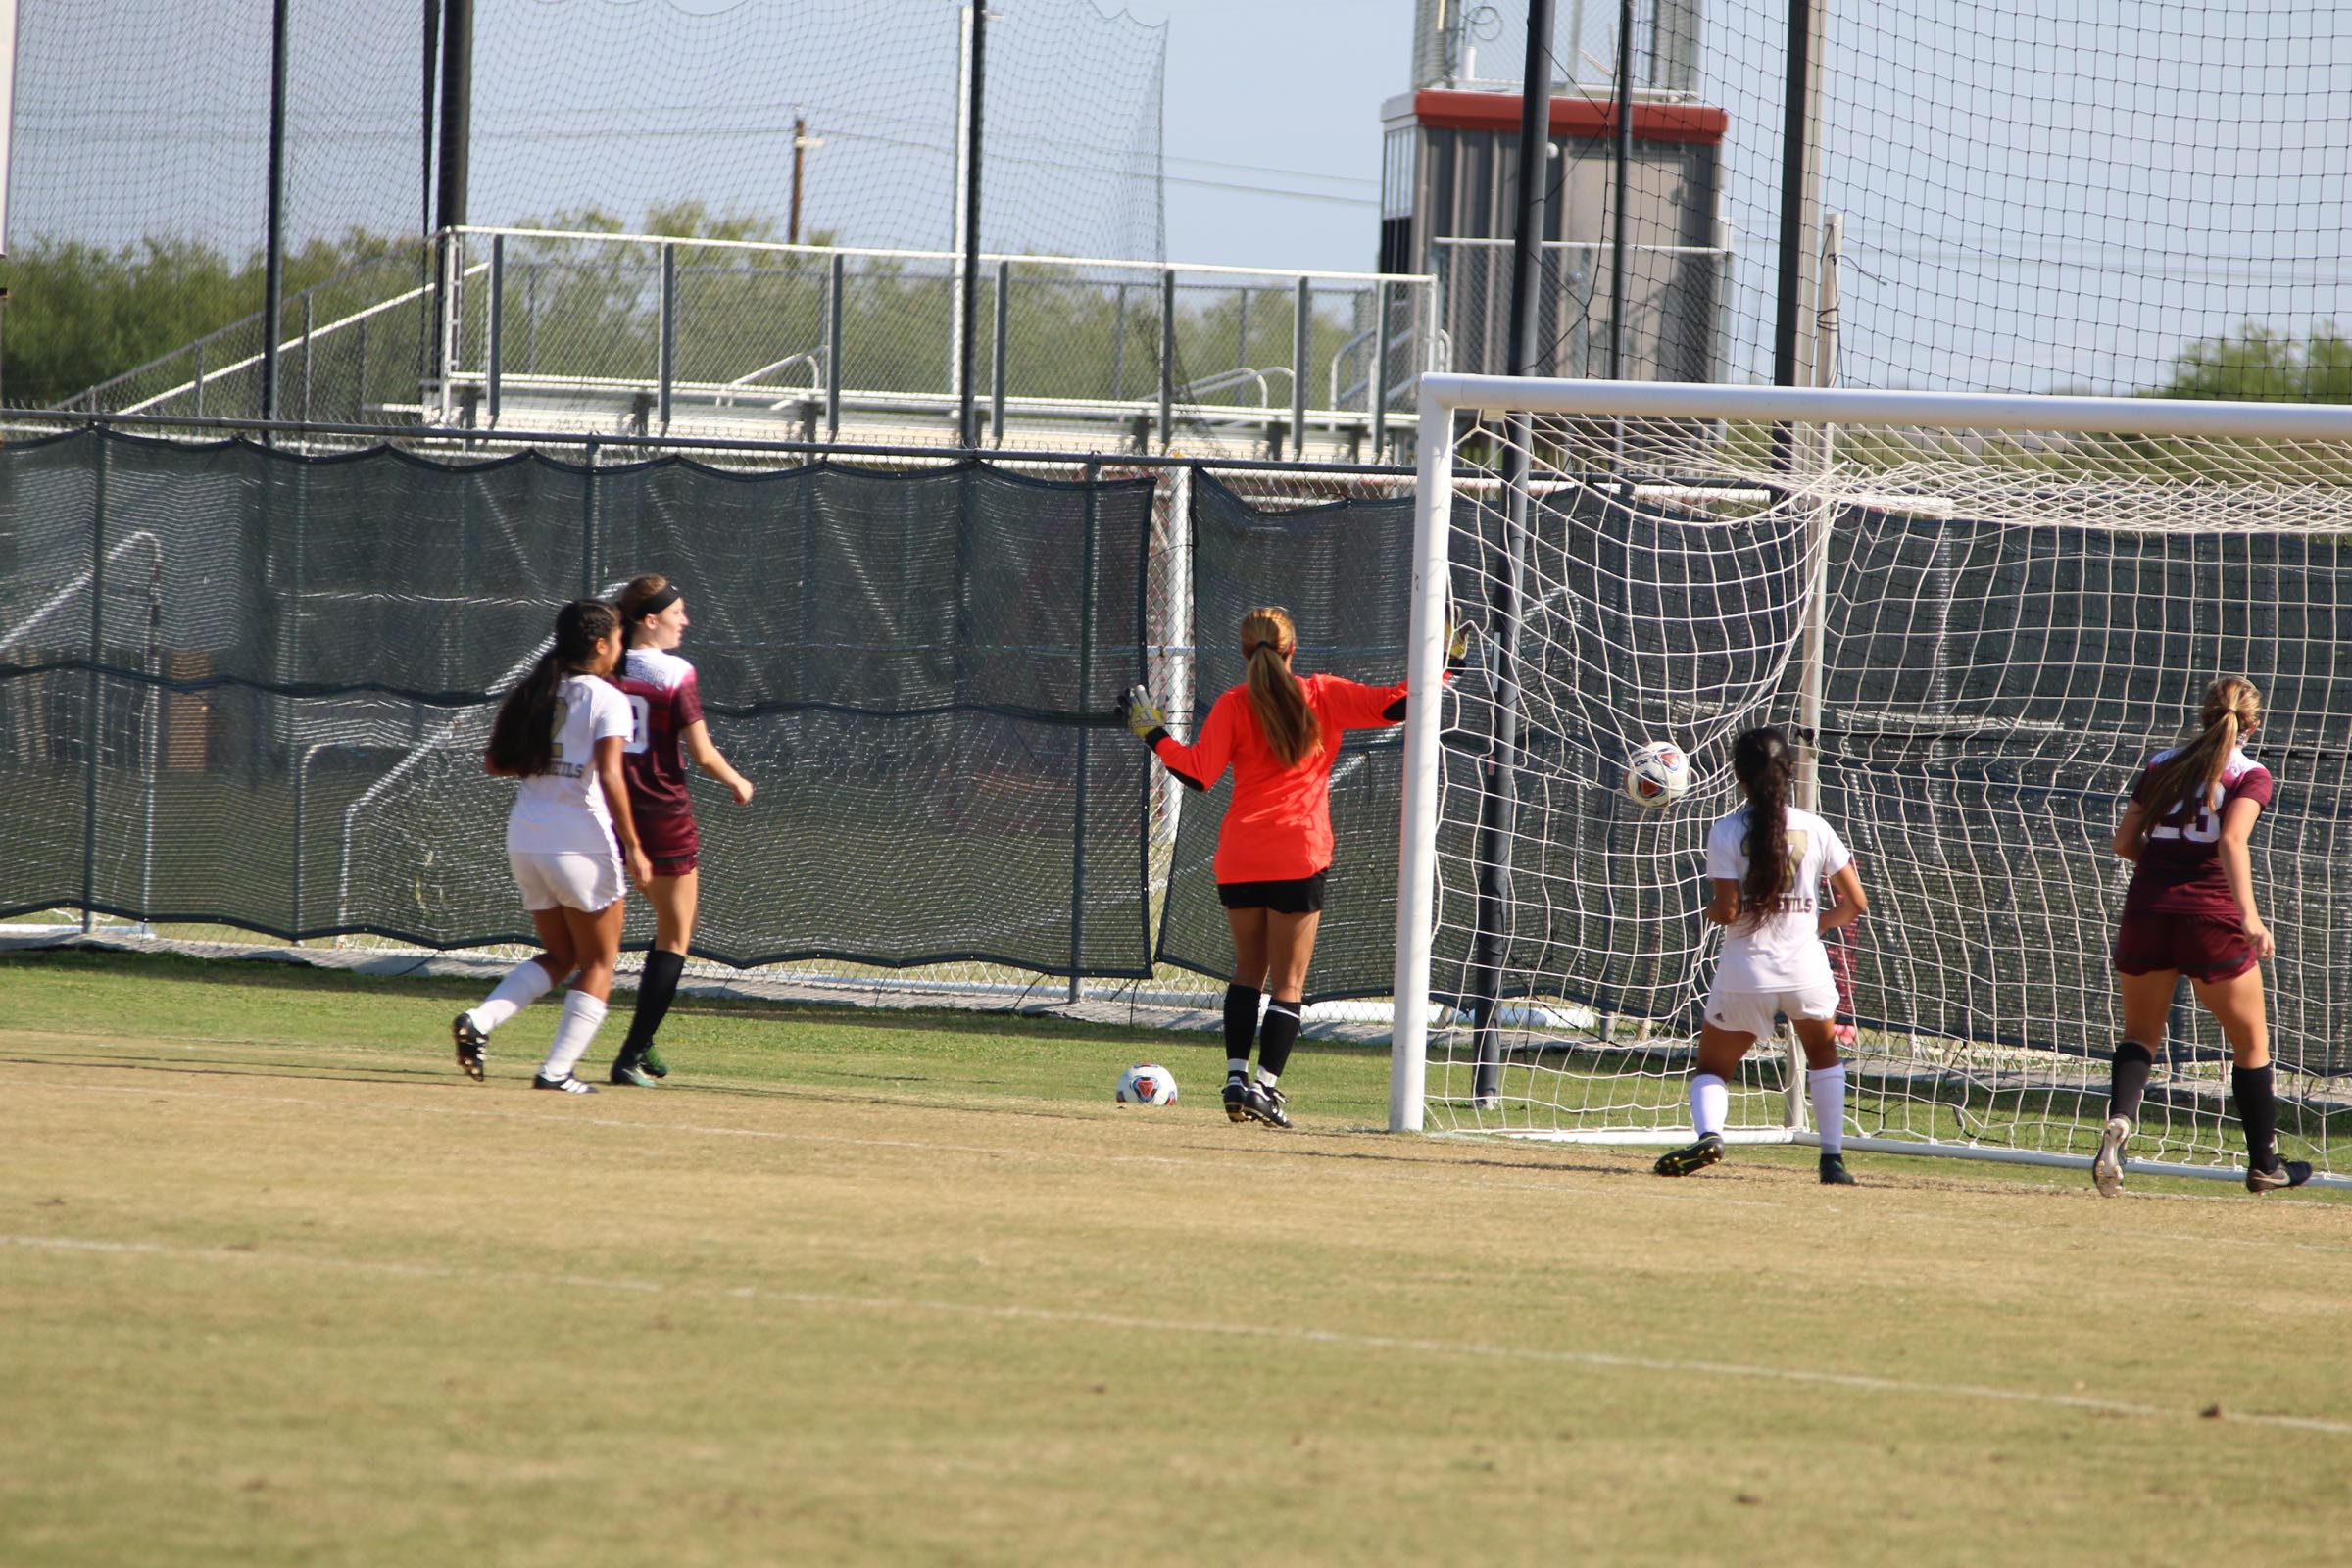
[1440,110]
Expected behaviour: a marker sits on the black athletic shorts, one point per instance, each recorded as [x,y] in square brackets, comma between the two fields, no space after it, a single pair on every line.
[1301,894]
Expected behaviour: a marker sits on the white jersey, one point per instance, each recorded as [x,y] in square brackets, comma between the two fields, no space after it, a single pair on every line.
[562,811]
[1783,951]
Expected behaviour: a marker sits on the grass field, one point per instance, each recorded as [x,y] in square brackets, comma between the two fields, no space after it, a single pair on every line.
[281,1286]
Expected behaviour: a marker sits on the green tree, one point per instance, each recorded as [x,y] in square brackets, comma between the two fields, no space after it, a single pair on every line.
[2260,365]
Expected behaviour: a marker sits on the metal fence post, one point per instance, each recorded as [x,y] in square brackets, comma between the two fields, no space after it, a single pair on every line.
[1167,358]
[834,280]
[307,324]
[996,391]
[1086,731]
[588,509]
[498,321]
[668,329]
[199,351]
[1301,346]
[89,719]
[1380,369]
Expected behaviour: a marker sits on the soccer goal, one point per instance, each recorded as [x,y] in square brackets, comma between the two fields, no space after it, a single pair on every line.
[1979,615]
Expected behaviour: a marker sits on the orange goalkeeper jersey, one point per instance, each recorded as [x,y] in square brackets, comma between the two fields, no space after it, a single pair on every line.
[1278,826]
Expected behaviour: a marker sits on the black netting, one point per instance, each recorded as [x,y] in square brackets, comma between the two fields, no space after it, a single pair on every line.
[275,717]
[1343,570]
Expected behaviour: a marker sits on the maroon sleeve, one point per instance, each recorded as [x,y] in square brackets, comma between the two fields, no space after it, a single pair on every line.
[2139,784]
[2255,784]
[686,704]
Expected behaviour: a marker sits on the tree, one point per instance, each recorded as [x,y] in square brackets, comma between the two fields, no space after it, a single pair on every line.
[2260,365]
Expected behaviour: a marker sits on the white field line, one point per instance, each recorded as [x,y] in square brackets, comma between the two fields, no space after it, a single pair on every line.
[1379,1344]
[1430,1173]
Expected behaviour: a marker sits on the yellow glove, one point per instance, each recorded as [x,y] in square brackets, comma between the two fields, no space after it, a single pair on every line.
[1141,714]
[1457,645]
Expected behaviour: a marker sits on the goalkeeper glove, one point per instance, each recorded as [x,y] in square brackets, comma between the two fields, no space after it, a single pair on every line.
[1458,646]
[1142,715]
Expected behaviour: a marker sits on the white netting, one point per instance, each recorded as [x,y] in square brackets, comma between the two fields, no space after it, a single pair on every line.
[1988,627]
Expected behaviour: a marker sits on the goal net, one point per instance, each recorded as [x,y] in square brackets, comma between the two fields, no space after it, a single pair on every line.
[1979,615]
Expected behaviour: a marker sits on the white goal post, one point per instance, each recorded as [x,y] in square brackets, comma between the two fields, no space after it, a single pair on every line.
[1978,613]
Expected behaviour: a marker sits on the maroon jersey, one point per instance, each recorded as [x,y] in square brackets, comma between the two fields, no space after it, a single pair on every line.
[666,700]
[2180,869]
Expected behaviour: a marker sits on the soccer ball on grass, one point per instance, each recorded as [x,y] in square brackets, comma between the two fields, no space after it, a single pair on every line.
[1146,1084]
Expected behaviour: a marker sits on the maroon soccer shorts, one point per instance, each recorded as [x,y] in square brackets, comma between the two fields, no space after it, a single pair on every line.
[671,843]
[2203,947]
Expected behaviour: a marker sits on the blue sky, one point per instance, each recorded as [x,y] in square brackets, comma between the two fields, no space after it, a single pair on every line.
[1280,93]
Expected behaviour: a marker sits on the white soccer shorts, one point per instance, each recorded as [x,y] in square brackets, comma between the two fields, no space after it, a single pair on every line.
[1750,1012]
[578,881]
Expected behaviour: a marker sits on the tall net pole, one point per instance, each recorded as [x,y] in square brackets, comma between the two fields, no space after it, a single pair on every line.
[1500,809]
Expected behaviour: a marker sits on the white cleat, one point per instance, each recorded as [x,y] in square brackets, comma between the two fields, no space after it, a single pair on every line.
[2107,1165]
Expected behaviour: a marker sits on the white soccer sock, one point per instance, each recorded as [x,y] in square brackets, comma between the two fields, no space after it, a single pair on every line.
[524,985]
[1267,1079]
[583,1016]
[1236,1066]
[1710,1102]
[1827,1086]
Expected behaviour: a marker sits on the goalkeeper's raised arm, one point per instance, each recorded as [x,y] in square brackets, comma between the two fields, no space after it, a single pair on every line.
[1280,735]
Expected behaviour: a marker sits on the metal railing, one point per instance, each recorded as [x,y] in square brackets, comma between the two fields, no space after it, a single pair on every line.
[645,334]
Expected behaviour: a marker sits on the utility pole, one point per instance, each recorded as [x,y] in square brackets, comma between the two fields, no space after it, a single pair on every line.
[801,143]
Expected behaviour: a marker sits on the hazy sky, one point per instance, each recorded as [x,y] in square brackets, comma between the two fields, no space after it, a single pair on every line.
[1282,93]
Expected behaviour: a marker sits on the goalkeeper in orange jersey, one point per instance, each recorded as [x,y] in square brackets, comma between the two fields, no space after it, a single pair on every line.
[1280,734]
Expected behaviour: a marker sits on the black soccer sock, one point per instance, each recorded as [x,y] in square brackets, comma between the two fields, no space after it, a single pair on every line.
[2128,1080]
[1241,1021]
[655,989]
[1275,1037]
[2257,1112]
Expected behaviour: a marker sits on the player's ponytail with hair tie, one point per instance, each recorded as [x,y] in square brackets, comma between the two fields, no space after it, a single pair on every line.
[1275,694]
[1763,764]
[2230,710]
[522,738]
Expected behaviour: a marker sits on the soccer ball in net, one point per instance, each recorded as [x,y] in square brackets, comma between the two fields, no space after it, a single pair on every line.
[1146,1084]
[1657,774]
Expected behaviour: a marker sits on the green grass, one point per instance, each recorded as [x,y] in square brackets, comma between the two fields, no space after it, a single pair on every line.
[280,1287]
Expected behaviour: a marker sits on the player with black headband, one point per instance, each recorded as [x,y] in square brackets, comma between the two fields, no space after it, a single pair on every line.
[1280,735]
[666,700]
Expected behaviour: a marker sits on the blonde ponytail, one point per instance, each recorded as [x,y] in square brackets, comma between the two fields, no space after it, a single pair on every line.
[2232,707]
[1280,702]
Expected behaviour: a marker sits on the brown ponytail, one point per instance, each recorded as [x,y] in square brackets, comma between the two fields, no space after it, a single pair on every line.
[1267,640]
[1761,762]
[2230,710]
[522,737]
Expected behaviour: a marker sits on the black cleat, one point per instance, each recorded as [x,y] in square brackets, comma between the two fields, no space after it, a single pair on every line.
[1237,1098]
[1690,1159]
[1263,1102]
[2107,1165]
[2280,1173]
[630,1071]
[569,1084]
[1834,1172]
[473,1045]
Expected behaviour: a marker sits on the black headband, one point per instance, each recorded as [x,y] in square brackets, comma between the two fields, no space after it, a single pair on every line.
[657,604]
